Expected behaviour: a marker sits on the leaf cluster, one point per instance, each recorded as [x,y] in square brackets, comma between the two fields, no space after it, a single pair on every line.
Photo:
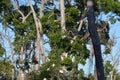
[6,69]
[2,50]
[111,6]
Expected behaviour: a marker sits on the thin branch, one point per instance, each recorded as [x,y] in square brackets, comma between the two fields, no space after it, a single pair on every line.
[19,11]
[10,44]
[86,36]
[80,25]
[51,15]
[45,42]
[37,1]
[28,14]
[24,18]
[56,20]
[79,29]
[99,30]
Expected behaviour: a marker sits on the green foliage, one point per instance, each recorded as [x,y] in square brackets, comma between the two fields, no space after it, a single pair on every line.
[2,50]
[110,5]
[104,37]
[6,68]
[25,33]
[103,31]
[54,56]
[48,22]
[50,68]
[81,4]
[6,2]
[108,48]
[5,5]
[34,75]
[112,20]
[117,76]
[25,9]
[79,49]
[72,16]
[108,67]
[6,12]
[107,51]
[68,63]
[79,46]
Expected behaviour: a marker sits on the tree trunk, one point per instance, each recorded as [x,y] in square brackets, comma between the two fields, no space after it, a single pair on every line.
[95,40]
[91,60]
[39,41]
[42,8]
[95,74]
[62,12]
[21,75]
[13,70]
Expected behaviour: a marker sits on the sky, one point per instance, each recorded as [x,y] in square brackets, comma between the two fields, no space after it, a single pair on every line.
[9,33]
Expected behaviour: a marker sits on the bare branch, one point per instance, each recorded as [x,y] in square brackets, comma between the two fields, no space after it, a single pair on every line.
[56,20]
[99,30]
[86,35]
[80,25]
[28,14]
[24,18]
[17,7]
[51,15]
[20,12]
[79,29]
[9,43]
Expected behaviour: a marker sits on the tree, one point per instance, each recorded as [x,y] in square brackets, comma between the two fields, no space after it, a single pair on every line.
[95,40]
[67,30]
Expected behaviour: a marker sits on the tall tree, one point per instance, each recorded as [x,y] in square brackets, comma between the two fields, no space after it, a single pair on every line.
[95,40]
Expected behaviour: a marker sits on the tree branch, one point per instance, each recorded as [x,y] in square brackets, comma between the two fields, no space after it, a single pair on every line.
[99,30]
[80,24]
[86,35]
[24,18]
[42,8]
[79,29]
[19,11]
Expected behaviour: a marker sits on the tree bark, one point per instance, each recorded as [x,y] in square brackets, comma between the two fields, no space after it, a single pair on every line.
[21,74]
[95,40]
[62,12]
[39,41]
[42,8]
